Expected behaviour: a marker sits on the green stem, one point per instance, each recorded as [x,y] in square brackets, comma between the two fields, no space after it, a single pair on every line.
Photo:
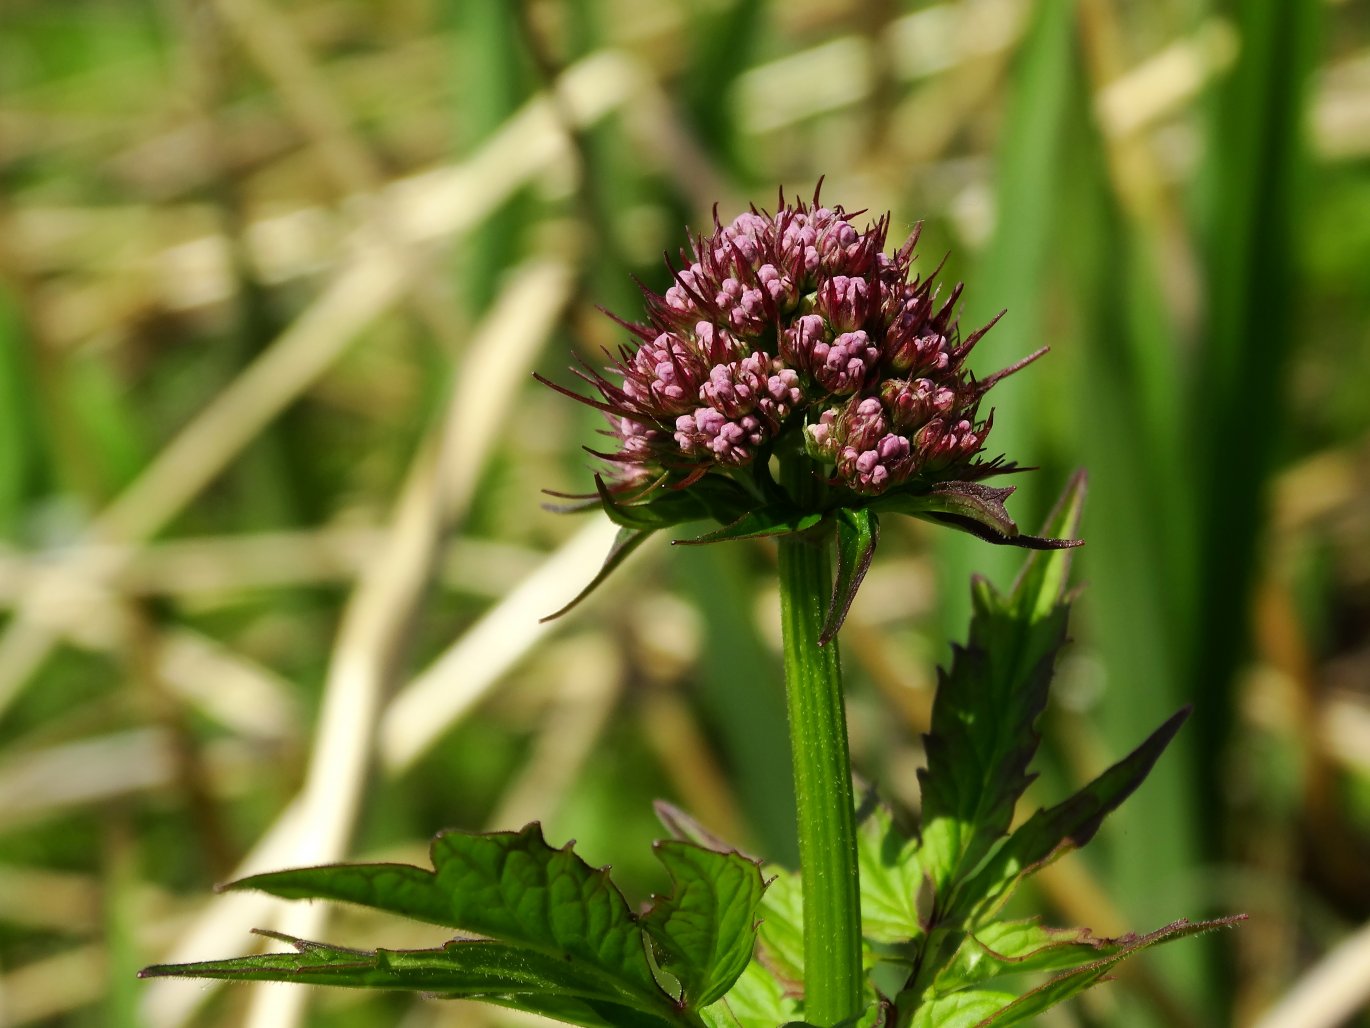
[822,775]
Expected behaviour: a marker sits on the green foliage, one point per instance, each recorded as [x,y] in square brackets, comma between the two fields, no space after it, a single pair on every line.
[556,935]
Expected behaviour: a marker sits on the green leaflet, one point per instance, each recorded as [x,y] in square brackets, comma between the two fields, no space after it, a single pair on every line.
[1018,947]
[1001,1009]
[983,724]
[705,932]
[558,936]
[983,736]
[475,969]
[770,520]
[1052,832]
[891,877]
[972,507]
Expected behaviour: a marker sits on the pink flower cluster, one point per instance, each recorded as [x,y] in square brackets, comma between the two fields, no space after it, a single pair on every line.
[797,322]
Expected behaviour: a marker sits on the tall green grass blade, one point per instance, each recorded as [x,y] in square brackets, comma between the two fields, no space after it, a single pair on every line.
[1013,275]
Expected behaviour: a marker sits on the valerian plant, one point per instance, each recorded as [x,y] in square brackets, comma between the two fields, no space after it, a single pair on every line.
[795,381]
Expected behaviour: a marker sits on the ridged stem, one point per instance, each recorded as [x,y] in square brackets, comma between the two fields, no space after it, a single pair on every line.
[822,774]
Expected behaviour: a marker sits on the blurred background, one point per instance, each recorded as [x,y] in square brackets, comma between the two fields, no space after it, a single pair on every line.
[273,279]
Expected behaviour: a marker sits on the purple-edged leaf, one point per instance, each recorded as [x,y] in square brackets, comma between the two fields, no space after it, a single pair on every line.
[1041,584]
[508,886]
[973,991]
[473,969]
[705,931]
[972,507]
[858,532]
[687,828]
[770,520]
[1018,947]
[1026,1008]
[625,542]
[1055,831]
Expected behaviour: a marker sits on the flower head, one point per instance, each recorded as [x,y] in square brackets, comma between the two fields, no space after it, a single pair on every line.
[795,337]
[798,324]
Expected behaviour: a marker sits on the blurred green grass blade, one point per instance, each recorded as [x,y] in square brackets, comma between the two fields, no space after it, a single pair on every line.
[1138,600]
[1251,215]
[120,1006]
[1013,275]
[741,687]
[21,458]
[723,41]
[102,437]
[493,79]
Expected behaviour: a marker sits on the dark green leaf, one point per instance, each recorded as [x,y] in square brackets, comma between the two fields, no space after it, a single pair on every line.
[983,736]
[972,507]
[1052,832]
[666,507]
[858,532]
[764,521]
[627,540]
[705,932]
[984,716]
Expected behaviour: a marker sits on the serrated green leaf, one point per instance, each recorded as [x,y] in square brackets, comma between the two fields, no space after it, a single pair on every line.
[983,736]
[508,886]
[1054,831]
[858,533]
[984,716]
[477,969]
[625,542]
[705,932]
[891,877]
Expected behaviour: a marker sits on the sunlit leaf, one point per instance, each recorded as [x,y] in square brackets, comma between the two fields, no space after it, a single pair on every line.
[705,932]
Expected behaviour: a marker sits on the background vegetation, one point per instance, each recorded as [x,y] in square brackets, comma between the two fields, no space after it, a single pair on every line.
[272,281]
